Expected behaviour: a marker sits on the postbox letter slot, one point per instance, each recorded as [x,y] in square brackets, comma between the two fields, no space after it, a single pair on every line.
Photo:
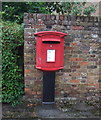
[51,42]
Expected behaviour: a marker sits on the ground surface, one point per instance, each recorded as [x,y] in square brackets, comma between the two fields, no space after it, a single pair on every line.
[25,110]
[33,110]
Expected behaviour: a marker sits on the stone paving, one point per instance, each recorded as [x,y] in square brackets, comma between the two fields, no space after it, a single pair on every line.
[51,111]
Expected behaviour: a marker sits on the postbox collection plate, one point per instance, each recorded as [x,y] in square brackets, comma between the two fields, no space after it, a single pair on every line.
[50,55]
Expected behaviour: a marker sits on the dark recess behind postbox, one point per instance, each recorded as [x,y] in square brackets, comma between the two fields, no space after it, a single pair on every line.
[50,50]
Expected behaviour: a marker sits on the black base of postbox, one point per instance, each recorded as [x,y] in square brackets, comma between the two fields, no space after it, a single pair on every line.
[48,103]
[48,87]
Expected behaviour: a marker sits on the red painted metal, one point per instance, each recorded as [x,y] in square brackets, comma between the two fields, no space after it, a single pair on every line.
[50,50]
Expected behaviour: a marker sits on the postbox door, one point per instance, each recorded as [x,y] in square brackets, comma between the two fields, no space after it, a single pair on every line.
[52,54]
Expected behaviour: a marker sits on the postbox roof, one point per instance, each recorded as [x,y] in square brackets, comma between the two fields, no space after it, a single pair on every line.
[46,33]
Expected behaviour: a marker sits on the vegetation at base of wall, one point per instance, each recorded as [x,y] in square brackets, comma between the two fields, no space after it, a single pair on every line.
[12,78]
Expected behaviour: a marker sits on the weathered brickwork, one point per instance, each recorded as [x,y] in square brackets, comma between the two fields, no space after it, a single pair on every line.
[81,73]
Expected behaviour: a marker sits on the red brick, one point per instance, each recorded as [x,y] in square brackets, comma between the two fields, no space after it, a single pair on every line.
[97,85]
[73,44]
[61,17]
[28,91]
[75,74]
[69,48]
[57,93]
[34,93]
[39,96]
[38,26]
[75,59]
[84,63]
[99,44]
[74,81]
[77,28]
[27,70]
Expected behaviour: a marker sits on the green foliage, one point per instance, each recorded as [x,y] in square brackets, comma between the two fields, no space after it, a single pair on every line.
[88,10]
[71,8]
[14,11]
[12,83]
[54,7]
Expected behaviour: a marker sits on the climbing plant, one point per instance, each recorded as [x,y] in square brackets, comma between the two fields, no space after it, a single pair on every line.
[12,78]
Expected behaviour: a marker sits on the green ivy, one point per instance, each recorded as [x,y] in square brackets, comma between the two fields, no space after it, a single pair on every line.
[12,78]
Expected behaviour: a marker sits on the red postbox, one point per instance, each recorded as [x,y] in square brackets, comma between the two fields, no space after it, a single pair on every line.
[50,50]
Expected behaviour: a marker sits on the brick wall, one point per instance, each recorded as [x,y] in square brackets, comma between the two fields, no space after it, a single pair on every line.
[81,75]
